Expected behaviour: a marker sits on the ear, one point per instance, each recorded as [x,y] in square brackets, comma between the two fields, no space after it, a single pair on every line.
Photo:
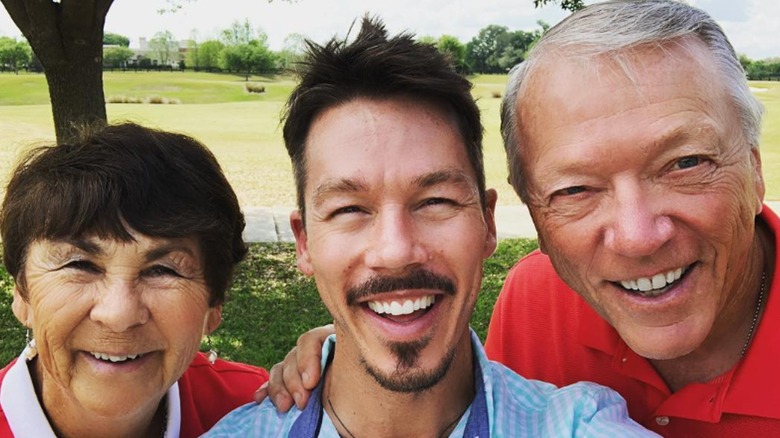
[213,319]
[21,308]
[491,241]
[301,244]
[755,161]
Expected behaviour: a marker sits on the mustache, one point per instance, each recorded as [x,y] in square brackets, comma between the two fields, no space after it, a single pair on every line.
[418,279]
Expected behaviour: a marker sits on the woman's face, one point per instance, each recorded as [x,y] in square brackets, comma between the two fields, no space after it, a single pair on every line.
[115,323]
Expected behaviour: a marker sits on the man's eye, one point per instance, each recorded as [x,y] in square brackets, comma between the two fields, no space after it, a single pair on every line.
[82,265]
[569,191]
[437,201]
[346,210]
[688,162]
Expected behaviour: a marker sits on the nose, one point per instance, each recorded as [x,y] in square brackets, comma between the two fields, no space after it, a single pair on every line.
[395,242]
[119,306]
[636,228]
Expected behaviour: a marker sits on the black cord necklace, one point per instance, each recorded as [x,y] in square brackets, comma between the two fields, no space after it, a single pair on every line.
[351,435]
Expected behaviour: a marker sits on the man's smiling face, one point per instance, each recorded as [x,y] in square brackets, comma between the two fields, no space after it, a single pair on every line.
[394,235]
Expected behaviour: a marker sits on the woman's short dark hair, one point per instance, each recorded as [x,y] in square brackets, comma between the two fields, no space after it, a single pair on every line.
[158,183]
[376,66]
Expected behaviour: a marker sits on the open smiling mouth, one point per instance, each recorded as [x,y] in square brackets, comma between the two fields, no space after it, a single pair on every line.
[403,310]
[656,285]
[115,359]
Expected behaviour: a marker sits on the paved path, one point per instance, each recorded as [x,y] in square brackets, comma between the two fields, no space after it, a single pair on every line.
[272,224]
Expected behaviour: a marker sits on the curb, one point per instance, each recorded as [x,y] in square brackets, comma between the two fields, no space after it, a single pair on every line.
[272,224]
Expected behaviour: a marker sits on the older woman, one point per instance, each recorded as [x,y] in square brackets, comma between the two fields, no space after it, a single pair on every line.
[122,245]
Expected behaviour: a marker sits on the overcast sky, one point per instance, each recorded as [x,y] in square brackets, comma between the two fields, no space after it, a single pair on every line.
[752,25]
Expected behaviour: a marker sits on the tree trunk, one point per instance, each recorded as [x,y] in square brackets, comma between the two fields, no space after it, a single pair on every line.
[67,38]
[77,98]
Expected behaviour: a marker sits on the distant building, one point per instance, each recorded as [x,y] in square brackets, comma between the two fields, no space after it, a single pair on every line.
[145,52]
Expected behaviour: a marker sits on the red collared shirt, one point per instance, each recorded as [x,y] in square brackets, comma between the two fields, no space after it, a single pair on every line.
[203,395]
[544,330]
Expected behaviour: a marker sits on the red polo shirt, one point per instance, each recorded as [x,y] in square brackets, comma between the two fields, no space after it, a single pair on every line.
[544,330]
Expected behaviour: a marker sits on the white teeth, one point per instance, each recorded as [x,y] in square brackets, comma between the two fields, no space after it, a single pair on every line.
[658,281]
[108,357]
[395,308]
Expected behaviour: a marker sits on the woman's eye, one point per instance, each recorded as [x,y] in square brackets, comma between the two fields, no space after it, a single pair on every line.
[688,162]
[161,271]
[82,265]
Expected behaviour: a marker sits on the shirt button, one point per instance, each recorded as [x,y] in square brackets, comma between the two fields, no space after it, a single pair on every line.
[662,421]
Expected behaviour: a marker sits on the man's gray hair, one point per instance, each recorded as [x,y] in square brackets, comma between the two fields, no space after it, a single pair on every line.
[614,26]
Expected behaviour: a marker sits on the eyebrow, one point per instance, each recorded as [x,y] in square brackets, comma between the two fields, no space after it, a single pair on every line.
[85,245]
[458,177]
[577,164]
[94,248]
[684,134]
[342,185]
[355,185]
[166,249]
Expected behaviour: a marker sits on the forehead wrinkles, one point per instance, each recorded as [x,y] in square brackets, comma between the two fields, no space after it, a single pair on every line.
[633,75]
[631,65]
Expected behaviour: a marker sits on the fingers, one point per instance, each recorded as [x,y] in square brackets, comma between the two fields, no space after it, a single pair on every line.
[309,355]
[275,389]
[261,393]
[297,375]
[293,379]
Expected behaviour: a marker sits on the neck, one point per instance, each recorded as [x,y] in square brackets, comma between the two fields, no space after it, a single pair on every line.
[734,328]
[68,418]
[360,407]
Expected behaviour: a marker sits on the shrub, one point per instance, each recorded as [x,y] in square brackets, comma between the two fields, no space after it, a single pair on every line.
[254,88]
[123,99]
[161,100]
[496,94]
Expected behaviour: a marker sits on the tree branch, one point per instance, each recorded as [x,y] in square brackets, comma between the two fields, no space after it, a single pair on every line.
[18,13]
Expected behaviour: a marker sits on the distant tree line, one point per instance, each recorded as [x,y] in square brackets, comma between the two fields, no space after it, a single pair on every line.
[496,49]
[243,49]
[239,49]
[14,55]
[761,70]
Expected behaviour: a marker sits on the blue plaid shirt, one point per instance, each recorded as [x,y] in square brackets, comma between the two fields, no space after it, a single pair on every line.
[506,405]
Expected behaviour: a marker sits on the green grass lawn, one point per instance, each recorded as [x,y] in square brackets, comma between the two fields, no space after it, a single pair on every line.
[189,87]
[769,95]
[271,304]
[243,128]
